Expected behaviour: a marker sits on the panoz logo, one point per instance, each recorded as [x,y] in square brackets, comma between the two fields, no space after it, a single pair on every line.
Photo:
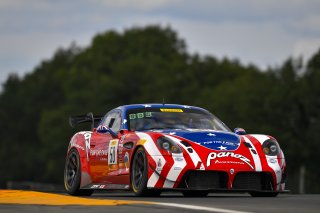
[214,155]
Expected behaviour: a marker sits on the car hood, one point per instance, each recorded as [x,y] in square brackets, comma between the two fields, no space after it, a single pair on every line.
[216,140]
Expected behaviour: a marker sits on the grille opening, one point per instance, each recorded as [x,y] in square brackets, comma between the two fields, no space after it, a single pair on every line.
[204,180]
[253,181]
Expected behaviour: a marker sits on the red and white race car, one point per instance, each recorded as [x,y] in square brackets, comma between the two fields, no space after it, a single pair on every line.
[149,148]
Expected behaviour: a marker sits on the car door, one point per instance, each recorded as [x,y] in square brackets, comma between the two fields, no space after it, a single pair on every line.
[98,156]
[104,151]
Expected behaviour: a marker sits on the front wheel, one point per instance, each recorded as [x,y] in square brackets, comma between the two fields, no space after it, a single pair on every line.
[72,175]
[139,175]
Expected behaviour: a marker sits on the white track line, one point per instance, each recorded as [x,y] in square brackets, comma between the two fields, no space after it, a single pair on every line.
[202,208]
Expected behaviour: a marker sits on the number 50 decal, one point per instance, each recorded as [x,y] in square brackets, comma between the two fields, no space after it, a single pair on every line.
[112,152]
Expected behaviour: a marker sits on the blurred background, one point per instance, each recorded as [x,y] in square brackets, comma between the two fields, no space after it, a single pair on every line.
[254,64]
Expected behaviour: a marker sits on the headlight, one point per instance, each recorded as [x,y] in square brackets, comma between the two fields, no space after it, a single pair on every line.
[168,145]
[271,147]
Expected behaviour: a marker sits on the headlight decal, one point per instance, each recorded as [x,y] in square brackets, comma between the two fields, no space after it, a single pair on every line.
[256,158]
[193,155]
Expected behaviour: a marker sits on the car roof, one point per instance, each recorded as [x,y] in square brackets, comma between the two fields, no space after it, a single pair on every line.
[124,108]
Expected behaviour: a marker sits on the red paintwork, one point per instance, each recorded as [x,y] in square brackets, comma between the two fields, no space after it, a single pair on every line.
[97,168]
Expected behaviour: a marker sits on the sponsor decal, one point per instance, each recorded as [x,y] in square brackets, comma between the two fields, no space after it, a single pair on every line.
[109,186]
[102,129]
[122,139]
[77,145]
[140,115]
[112,152]
[178,159]
[99,152]
[227,162]
[126,161]
[219,142]
[87,138]
[273,160]
[213,156]
[120,149]
[231,171]
[171,110]
[177,168]
[94,186]
[159,165]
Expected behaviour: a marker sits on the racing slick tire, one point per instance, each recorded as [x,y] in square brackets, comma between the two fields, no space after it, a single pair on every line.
[72,175]
[195,193]
[264,194]
[139,175]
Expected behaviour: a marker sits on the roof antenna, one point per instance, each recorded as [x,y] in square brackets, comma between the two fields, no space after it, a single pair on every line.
[163,102]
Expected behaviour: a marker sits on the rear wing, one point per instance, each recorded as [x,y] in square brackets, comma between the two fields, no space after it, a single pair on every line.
[75,120]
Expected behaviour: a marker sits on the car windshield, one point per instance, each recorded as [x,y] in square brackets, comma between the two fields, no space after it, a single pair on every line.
[157,118]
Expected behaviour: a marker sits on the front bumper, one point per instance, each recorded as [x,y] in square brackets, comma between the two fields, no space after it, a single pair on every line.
[220,180]
[182,176]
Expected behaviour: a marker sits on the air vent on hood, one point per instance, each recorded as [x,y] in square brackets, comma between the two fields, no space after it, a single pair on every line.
[185,143]
[247,145]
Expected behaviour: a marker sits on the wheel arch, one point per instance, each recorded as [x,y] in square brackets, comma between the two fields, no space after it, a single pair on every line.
[131,161]
[78,142]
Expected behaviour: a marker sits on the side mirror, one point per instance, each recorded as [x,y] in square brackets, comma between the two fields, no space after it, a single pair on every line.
[104,129]
[240,131]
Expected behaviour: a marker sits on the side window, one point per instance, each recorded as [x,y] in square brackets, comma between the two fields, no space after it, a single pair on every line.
[106,120]
[113,121]
[110,125]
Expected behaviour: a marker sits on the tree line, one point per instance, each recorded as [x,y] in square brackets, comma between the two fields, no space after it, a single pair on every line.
[147,65]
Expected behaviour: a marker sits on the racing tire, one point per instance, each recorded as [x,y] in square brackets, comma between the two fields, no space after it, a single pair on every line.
[72,175]
[264,194]
[195,193]
[139,175]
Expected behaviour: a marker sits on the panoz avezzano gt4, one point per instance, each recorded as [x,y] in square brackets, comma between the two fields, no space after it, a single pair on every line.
[155,147]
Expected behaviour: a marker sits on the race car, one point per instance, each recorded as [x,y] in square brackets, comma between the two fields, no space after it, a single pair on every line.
[150,148]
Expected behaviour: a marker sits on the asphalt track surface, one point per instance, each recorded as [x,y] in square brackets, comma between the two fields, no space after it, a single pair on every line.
[126,202]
